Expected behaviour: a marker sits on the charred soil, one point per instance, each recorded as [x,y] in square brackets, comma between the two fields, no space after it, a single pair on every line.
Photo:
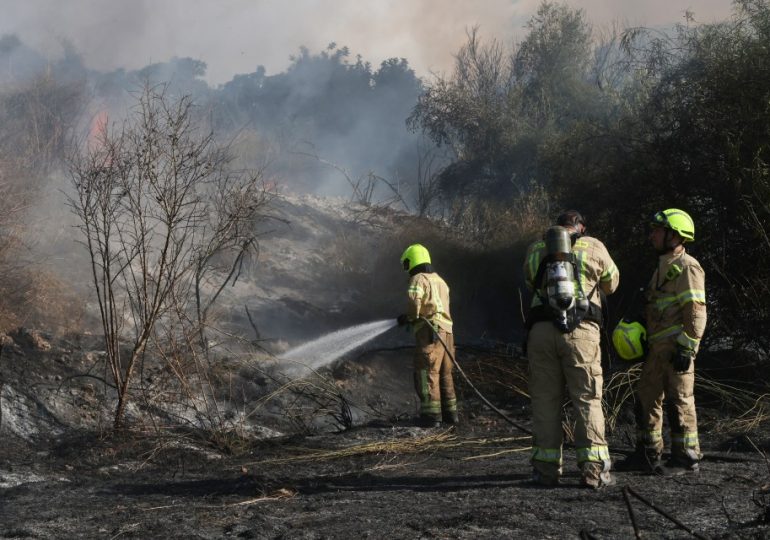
[383,477]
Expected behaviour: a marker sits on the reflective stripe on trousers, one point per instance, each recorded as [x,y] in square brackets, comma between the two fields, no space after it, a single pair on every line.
[547,455]
[593,453]
[434,381]
[656,381]
[684,440]
[649,438]
[556,361]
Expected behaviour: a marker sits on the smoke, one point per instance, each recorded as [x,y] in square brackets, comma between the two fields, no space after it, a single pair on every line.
[195,42]
[235,36]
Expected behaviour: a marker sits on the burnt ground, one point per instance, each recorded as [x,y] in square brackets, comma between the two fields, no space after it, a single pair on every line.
[66,475]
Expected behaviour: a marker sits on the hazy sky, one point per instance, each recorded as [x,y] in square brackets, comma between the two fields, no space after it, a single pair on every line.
[235,36]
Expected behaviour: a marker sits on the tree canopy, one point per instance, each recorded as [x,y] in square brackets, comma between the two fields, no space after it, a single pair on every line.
[620,127]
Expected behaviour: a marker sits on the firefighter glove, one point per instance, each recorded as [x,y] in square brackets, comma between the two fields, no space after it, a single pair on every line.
[402,319]
[682,359]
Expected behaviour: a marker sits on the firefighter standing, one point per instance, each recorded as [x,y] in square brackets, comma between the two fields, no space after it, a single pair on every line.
[675,313]
[429,299]
[563,347]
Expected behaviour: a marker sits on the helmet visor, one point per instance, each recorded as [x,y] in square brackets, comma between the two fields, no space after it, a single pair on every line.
[659,219]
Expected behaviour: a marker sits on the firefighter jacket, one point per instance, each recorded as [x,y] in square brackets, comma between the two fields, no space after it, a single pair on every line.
[594,268]
[676,301]
[429,298]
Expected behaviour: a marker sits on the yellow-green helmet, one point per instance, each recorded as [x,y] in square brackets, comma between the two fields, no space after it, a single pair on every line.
[676,220]
[415,255]
[629,339]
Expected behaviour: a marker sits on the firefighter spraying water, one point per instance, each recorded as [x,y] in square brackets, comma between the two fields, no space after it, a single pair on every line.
[429,316]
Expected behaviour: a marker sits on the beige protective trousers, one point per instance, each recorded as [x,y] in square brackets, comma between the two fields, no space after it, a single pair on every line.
[658,380]
[433,379]
[556,361]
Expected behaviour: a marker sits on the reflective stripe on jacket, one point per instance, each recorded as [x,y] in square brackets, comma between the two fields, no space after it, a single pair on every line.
[593,265]
[676,298]
[429,298]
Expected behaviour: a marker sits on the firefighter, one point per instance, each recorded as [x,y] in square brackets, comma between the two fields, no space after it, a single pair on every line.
[568,273]
[428,298]
[675,316]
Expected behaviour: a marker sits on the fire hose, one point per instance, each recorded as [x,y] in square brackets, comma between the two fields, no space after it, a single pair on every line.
[519,426]
[486,401]
[468,381]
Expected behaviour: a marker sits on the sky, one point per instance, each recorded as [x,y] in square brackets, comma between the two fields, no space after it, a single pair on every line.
[236,36]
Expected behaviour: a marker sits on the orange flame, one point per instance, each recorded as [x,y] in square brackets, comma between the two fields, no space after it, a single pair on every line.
[98,129]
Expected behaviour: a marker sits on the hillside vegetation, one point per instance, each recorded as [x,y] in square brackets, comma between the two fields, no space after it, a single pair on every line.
[618,123]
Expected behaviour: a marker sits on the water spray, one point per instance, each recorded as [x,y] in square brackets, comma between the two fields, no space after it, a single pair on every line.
[330,347]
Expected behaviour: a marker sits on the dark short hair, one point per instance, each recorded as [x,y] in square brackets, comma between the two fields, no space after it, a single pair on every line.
[571,218]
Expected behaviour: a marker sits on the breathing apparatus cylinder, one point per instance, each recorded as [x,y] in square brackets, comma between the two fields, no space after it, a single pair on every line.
[560,274]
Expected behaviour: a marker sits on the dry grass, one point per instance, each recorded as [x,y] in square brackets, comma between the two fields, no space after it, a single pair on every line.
[441,441]
[36,298]
[501,373]
[429,443]
[749,409]
[618,391]
[755,411]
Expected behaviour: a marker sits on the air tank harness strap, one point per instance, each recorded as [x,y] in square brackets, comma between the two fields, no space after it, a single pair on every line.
[542,313]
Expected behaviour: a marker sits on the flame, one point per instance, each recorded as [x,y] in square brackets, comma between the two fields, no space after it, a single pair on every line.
[98,129]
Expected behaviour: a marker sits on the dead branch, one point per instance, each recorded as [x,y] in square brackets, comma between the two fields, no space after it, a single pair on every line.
[167,225]
[631,513]
[665,514]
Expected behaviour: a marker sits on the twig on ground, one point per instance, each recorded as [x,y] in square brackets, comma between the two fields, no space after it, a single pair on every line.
[282,493]
[412,446]
[730,520]
[495,454]
[631,513]
[761,453]
[666,515]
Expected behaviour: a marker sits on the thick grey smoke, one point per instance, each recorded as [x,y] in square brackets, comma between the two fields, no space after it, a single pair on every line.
[235,36]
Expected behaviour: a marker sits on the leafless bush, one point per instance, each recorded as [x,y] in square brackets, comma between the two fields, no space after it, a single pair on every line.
[317,397]
[14,286]
[428,179]
[167,225]
[364,189]
[499,373]
[495,223]
[36,118]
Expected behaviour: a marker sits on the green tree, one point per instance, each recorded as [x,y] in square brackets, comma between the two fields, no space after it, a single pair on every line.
[500,110]
[692,131]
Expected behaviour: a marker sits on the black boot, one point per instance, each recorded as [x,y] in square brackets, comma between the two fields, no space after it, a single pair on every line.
[428,421]
[642,460]
[450,417]
[679,464]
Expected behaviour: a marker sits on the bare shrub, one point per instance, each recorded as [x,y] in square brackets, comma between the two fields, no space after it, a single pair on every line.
[14,285]
[37,118]
[49,303]
[494,223]
[167,225]
[369,192]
